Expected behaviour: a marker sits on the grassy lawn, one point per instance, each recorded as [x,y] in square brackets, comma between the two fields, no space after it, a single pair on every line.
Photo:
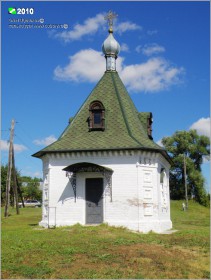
[30,252]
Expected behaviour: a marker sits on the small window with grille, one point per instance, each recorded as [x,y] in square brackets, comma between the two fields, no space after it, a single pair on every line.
[96,118]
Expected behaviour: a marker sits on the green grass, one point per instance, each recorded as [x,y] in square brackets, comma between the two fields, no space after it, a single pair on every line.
[30,252]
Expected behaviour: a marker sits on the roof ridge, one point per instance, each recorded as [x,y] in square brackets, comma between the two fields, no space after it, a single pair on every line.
[123,111]
[135,111]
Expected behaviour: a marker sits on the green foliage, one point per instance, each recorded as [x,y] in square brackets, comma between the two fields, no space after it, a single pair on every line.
[191,147]
[4,171]
[29,190]
[3,182]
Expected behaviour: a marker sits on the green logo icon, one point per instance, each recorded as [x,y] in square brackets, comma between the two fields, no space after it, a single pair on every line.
[12,11]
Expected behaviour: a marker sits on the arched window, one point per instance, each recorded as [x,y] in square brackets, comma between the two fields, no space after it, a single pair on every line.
[96,116]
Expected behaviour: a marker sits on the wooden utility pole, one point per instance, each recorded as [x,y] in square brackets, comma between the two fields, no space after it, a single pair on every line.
[7,203]
[19,190]
[15,182]
[186,191]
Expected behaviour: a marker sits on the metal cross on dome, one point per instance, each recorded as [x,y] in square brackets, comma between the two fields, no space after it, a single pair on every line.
[109,17]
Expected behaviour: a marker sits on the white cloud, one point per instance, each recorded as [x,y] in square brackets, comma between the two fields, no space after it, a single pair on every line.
[17,147]
[26,172]
[138,48]
[159,142]
[90,26]
[151,49]
[85,65]
[206,159]
[153,75]
[46,141]
[202,126]
[37,174]
[4,145]
[126,26]
[124,48]
[152,32]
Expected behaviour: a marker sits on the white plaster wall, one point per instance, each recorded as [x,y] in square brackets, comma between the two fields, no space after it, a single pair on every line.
[131,205]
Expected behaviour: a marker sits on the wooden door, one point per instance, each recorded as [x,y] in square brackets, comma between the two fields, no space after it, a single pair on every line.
[94,201]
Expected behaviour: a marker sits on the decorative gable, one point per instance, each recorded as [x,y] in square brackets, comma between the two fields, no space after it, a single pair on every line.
[146,119]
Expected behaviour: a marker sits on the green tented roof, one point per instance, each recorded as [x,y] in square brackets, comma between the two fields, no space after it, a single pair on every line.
[123,127]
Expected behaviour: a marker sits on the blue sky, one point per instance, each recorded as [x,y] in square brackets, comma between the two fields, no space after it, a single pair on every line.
[47,73]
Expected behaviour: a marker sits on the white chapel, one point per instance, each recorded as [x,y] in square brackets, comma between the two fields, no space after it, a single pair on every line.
[105,167]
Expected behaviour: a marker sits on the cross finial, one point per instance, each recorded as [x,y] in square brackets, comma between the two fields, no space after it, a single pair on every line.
[109,17]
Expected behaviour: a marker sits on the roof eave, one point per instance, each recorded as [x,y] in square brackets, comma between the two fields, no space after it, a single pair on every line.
[164,153]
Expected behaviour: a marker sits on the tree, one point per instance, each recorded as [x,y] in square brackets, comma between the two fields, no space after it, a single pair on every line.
[3,182]
[4,170]
[194,147]
[31,189]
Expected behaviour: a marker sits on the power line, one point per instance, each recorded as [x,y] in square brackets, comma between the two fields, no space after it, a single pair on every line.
[26,133]
[6,133]
[23,142]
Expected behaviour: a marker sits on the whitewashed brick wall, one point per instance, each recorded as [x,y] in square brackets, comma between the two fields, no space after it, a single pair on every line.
[136,191]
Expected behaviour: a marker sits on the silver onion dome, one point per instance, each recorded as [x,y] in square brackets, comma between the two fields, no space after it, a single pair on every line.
[110,45]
